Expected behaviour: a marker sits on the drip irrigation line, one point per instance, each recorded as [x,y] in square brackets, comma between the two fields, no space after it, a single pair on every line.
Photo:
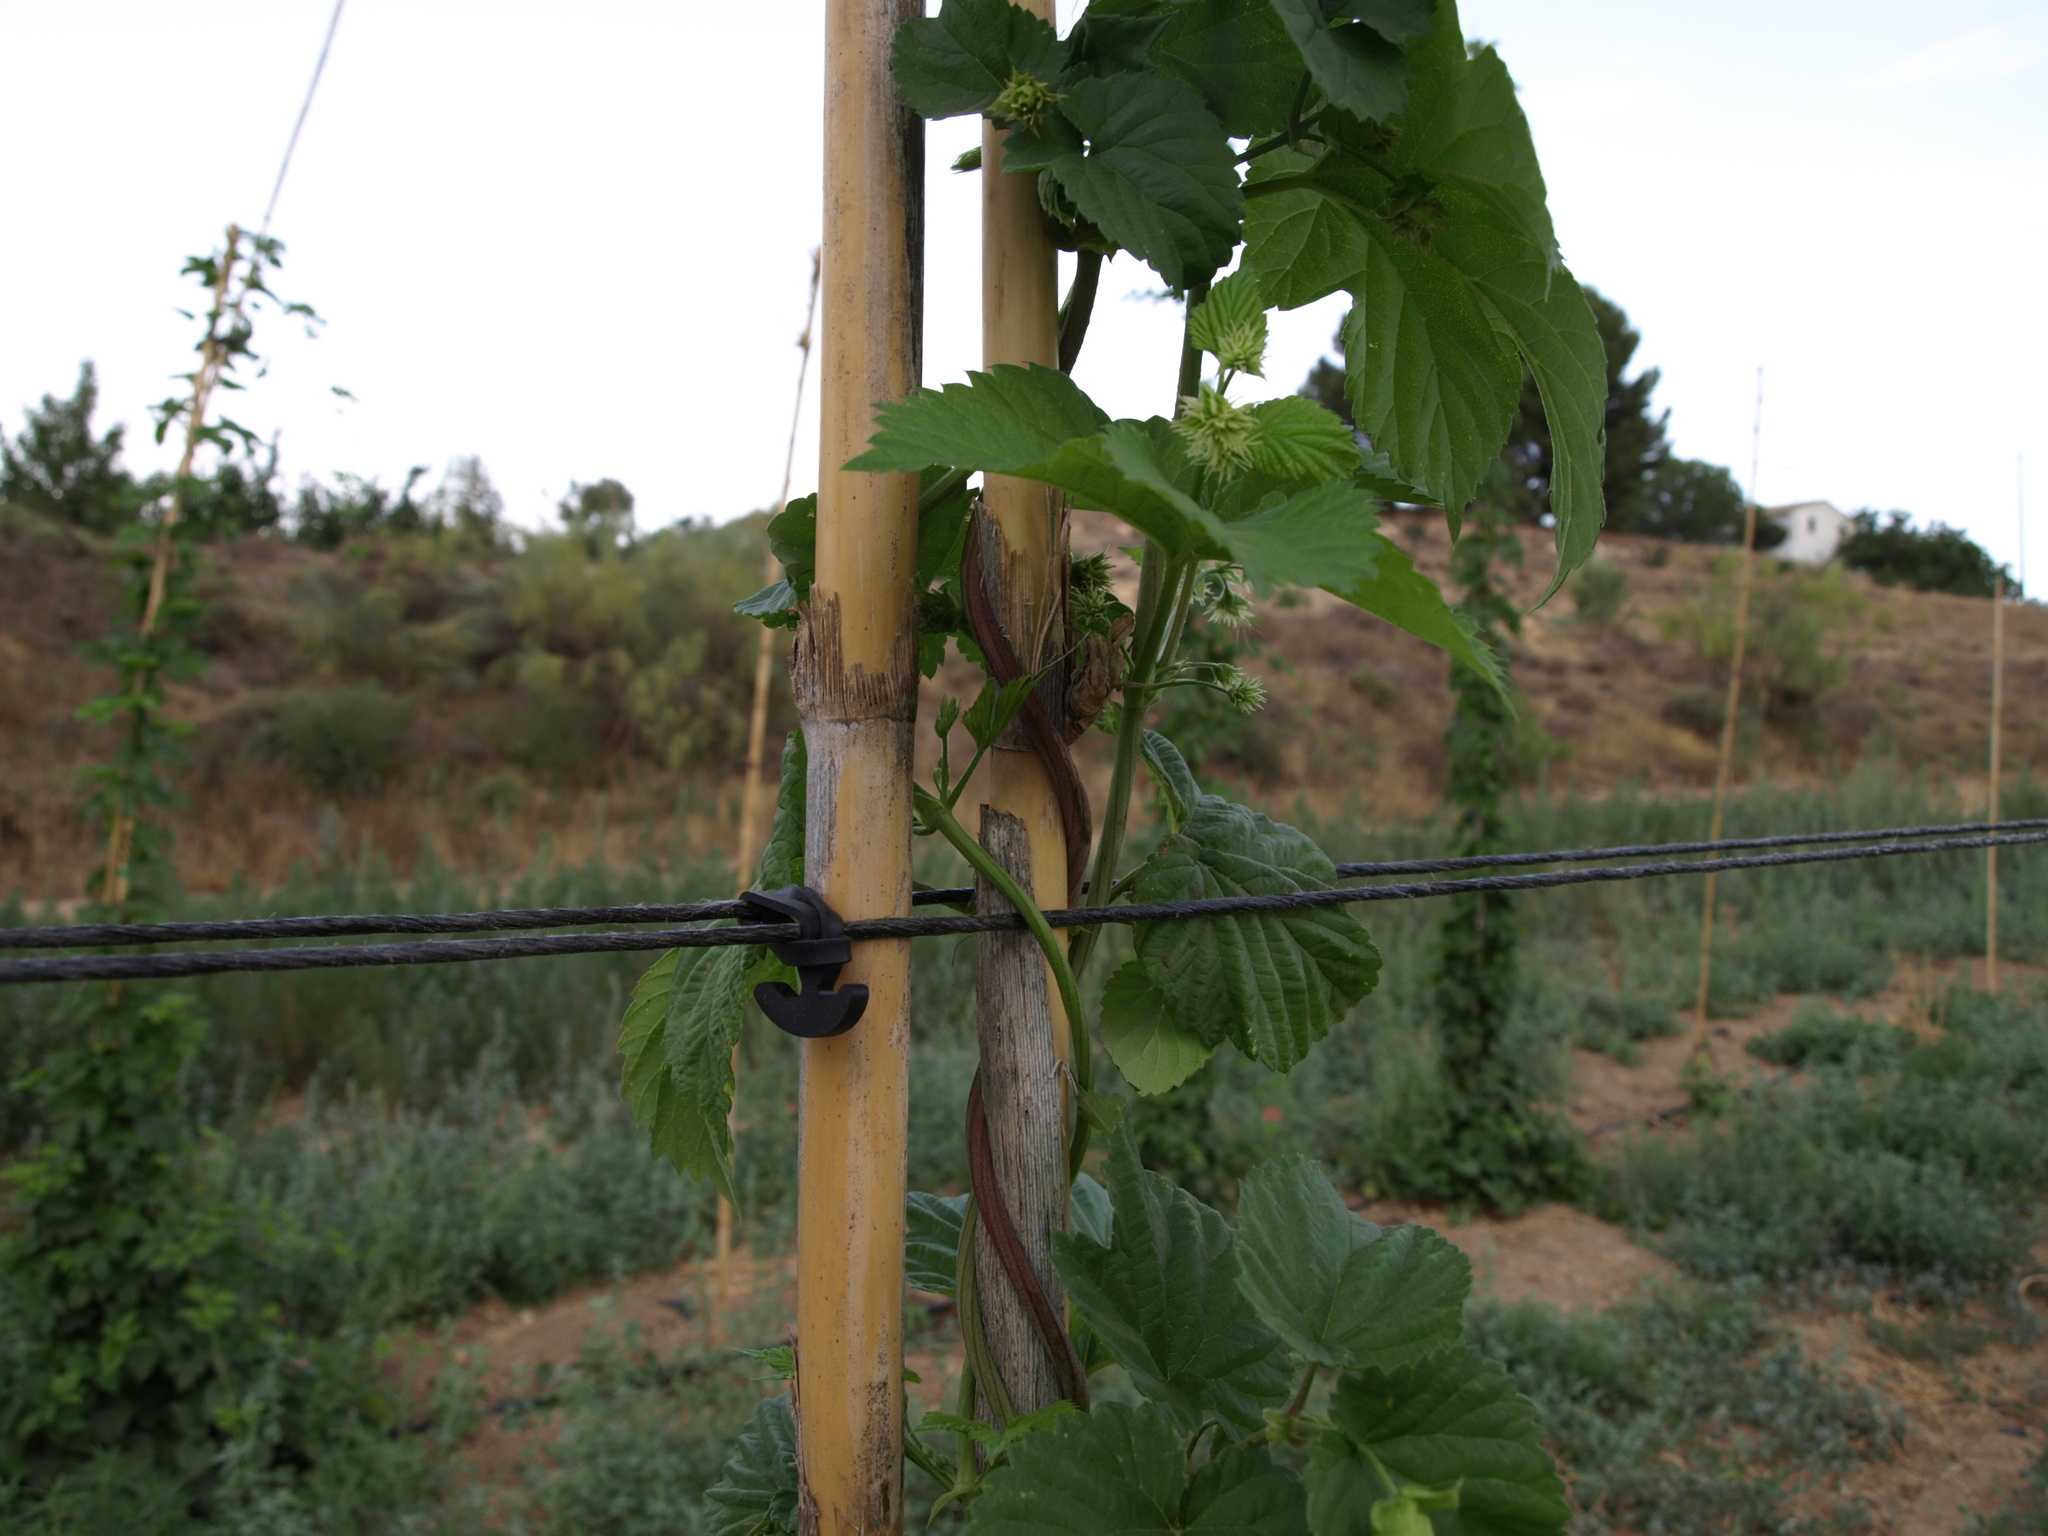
[451,951]
[110,935]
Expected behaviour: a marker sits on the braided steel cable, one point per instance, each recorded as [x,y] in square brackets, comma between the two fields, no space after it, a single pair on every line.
[451,951]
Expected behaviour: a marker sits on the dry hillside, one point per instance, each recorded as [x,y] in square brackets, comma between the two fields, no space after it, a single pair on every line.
[1357,713]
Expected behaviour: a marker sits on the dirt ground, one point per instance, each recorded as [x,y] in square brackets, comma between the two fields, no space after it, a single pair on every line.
[1975,1425]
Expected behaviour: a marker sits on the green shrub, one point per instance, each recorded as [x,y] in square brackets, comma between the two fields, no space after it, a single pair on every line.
[1600,592]
[1687,1412]
[1617,1022]
[1696,709]
[1373,685]
[2027,1512]
[112,1492]
[133,1293]
[642,1436]
[419,1215]
[148,1363]
[1929,1170]
[347,740]
[1943,1337]
[558,737]
[1791,662]
[1821,1037]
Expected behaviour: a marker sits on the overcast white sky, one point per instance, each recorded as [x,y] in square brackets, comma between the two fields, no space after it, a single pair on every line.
[574,238]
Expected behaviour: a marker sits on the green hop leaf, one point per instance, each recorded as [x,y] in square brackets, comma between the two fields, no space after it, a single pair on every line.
[1238,55]
[1452,1418]
[1230,324]
[1092,1214]
[1300,440]
[965,58]
[1162,1296]
[782,856]
[1121,1471]
[1146,163]
[671,1113]
[757,1495]
[1337,1289]
[931,1240]
[1139,1031]
[1272,983]
[1358,64]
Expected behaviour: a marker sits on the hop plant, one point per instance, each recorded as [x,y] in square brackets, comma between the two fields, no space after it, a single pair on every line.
[1024,100]
[1220,436]
[1241,348]
[1246,694]
[1221,602]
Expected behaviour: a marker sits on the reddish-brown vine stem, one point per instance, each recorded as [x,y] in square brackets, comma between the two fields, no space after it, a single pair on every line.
[1046,740]
[994,1214]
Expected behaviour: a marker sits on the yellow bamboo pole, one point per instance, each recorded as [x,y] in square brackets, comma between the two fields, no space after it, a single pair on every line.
[855,678]
[212,354]
[1725,767]
[753,793]
[1997,754]
[1020,324]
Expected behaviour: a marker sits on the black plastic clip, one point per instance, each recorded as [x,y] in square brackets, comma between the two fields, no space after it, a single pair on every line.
[818,1010]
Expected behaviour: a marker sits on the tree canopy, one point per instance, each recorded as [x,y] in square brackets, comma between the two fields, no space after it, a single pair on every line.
[1938,559]
[60,468]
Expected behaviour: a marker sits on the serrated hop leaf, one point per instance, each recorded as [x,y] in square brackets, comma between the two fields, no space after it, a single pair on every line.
[1220,436]
[1024,100]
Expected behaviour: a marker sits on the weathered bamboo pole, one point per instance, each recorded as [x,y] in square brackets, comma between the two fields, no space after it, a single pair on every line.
[1726,765]
[1024,1105]
[854,673]
[1023,1030]
[1997,756]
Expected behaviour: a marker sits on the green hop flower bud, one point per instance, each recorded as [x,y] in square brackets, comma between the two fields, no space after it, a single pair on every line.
[1024,100]
[1242,348]
[1220,436]
[1245,693]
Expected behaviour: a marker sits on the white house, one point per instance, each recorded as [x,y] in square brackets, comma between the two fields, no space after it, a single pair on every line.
[1814,530]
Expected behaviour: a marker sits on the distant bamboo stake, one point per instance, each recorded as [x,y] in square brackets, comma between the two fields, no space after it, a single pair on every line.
[757,743]
[1997,711]
[1997,721]
[212,354]
[1726,766]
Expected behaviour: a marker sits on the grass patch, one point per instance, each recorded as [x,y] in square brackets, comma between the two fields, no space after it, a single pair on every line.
[1821,1037]
[1922,1164]
[1685,1413]
[1941,1337]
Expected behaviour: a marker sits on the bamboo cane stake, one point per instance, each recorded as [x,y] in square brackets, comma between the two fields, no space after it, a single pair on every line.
[1991,805]
[753,793]
[212,354]
[1023,1029]
[854,673]
[1725,767]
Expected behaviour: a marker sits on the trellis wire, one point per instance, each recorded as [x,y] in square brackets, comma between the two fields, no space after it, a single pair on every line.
[212,962]
[106,935]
